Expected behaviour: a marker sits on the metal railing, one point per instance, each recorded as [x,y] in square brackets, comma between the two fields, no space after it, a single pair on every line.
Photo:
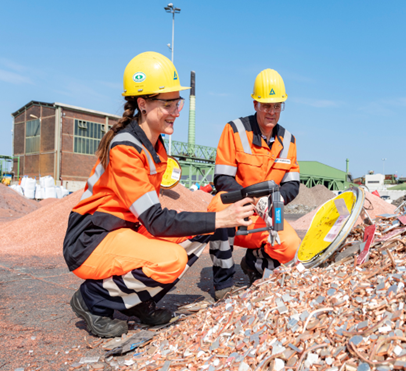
[192,151]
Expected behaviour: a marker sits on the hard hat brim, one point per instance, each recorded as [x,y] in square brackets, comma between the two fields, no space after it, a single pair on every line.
[269,100]
[160,91]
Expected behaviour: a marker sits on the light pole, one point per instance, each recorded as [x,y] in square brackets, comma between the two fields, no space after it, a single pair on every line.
[171,9]
[384,159]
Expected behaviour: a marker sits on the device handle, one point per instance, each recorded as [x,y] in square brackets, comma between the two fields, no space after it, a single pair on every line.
[231,197]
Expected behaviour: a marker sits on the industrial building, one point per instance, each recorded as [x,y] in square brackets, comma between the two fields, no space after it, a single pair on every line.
[59,140]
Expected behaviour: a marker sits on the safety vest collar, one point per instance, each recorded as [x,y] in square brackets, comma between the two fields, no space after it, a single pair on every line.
[140,135]
[257,134]
[256,131]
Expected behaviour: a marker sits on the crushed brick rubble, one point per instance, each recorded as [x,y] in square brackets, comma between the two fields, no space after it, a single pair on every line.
[339,317]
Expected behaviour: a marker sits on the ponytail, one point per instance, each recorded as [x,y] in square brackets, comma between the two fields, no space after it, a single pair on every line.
[129,110]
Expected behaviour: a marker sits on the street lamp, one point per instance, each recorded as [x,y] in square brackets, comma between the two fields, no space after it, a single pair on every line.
[384,159]
[171,9]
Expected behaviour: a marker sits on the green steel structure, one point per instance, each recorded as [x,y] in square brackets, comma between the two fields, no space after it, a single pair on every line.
[314,172]
[197,164]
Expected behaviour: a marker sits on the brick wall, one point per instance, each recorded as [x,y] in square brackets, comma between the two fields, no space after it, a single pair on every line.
[31,167]
[19,138]
[48,134]
[82,116]
[76,166]
[20,117]
[67,143]
[47,164]
[33,110]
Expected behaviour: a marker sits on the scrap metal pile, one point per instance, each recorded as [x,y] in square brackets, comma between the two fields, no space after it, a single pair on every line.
[342,316]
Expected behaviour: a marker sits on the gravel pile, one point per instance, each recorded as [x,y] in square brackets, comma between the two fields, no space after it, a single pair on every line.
[42,231]
[13,205]
[298,209]
[182,199]
[309,199]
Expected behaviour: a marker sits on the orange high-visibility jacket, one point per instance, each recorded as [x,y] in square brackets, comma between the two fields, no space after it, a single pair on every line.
[244,158]
[125,194]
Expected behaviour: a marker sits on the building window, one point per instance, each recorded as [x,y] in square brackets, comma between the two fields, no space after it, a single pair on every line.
[32,136]
[87,136]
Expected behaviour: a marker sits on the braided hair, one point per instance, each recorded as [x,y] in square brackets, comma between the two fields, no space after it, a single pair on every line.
[130,108]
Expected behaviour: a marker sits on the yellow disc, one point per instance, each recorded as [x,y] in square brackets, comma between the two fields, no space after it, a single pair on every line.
[172,174]
[326,225]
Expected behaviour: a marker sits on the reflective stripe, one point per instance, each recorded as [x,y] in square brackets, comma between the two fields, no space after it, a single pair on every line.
[220,245]
[290,177]
[152,168]
[225,170]
[92,181]
[146,201]
[243,136]
[223,263]
[130,300]
[127,137]
[193,247]
[231,240]
[287,138]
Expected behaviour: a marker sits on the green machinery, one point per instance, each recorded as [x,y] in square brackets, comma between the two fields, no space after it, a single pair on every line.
[4,160]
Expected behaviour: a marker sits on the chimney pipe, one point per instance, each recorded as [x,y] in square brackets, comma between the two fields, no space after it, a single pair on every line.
[192,115]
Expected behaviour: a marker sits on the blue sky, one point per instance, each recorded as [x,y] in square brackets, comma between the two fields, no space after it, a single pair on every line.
[343,64]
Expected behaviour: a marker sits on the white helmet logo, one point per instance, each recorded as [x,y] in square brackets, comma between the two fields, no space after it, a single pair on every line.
[139,77]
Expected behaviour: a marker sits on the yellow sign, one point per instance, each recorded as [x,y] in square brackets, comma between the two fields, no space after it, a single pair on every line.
[326,225]
[172,174]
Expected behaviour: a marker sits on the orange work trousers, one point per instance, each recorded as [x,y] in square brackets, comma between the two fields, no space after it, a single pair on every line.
[123,250]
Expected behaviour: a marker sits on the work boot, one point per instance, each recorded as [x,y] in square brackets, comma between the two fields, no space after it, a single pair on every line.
[252,274]
[105,327]
[220,294]
[149,314]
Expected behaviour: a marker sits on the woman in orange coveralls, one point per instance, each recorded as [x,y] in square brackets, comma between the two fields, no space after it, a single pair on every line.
[129,250]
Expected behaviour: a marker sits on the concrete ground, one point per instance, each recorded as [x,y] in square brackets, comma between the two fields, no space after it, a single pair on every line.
[38,330]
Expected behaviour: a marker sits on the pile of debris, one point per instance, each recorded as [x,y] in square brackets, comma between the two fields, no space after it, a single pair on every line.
[374,205]
[340,317]
[41,231]
[309,199]
[182,199]
[399,201]
[13,205]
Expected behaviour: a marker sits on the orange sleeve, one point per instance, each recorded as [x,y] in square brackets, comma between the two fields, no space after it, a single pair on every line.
[226,148]
[128,175]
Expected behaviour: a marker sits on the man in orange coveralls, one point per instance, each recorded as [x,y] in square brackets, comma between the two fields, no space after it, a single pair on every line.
[254,149]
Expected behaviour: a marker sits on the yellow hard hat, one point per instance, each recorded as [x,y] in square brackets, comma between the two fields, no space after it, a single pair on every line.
[150,73]
[269,87]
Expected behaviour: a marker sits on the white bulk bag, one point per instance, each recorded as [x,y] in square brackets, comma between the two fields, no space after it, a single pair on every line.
[50,192]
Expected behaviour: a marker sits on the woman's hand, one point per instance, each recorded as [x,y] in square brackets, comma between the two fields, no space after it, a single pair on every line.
[234,215]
